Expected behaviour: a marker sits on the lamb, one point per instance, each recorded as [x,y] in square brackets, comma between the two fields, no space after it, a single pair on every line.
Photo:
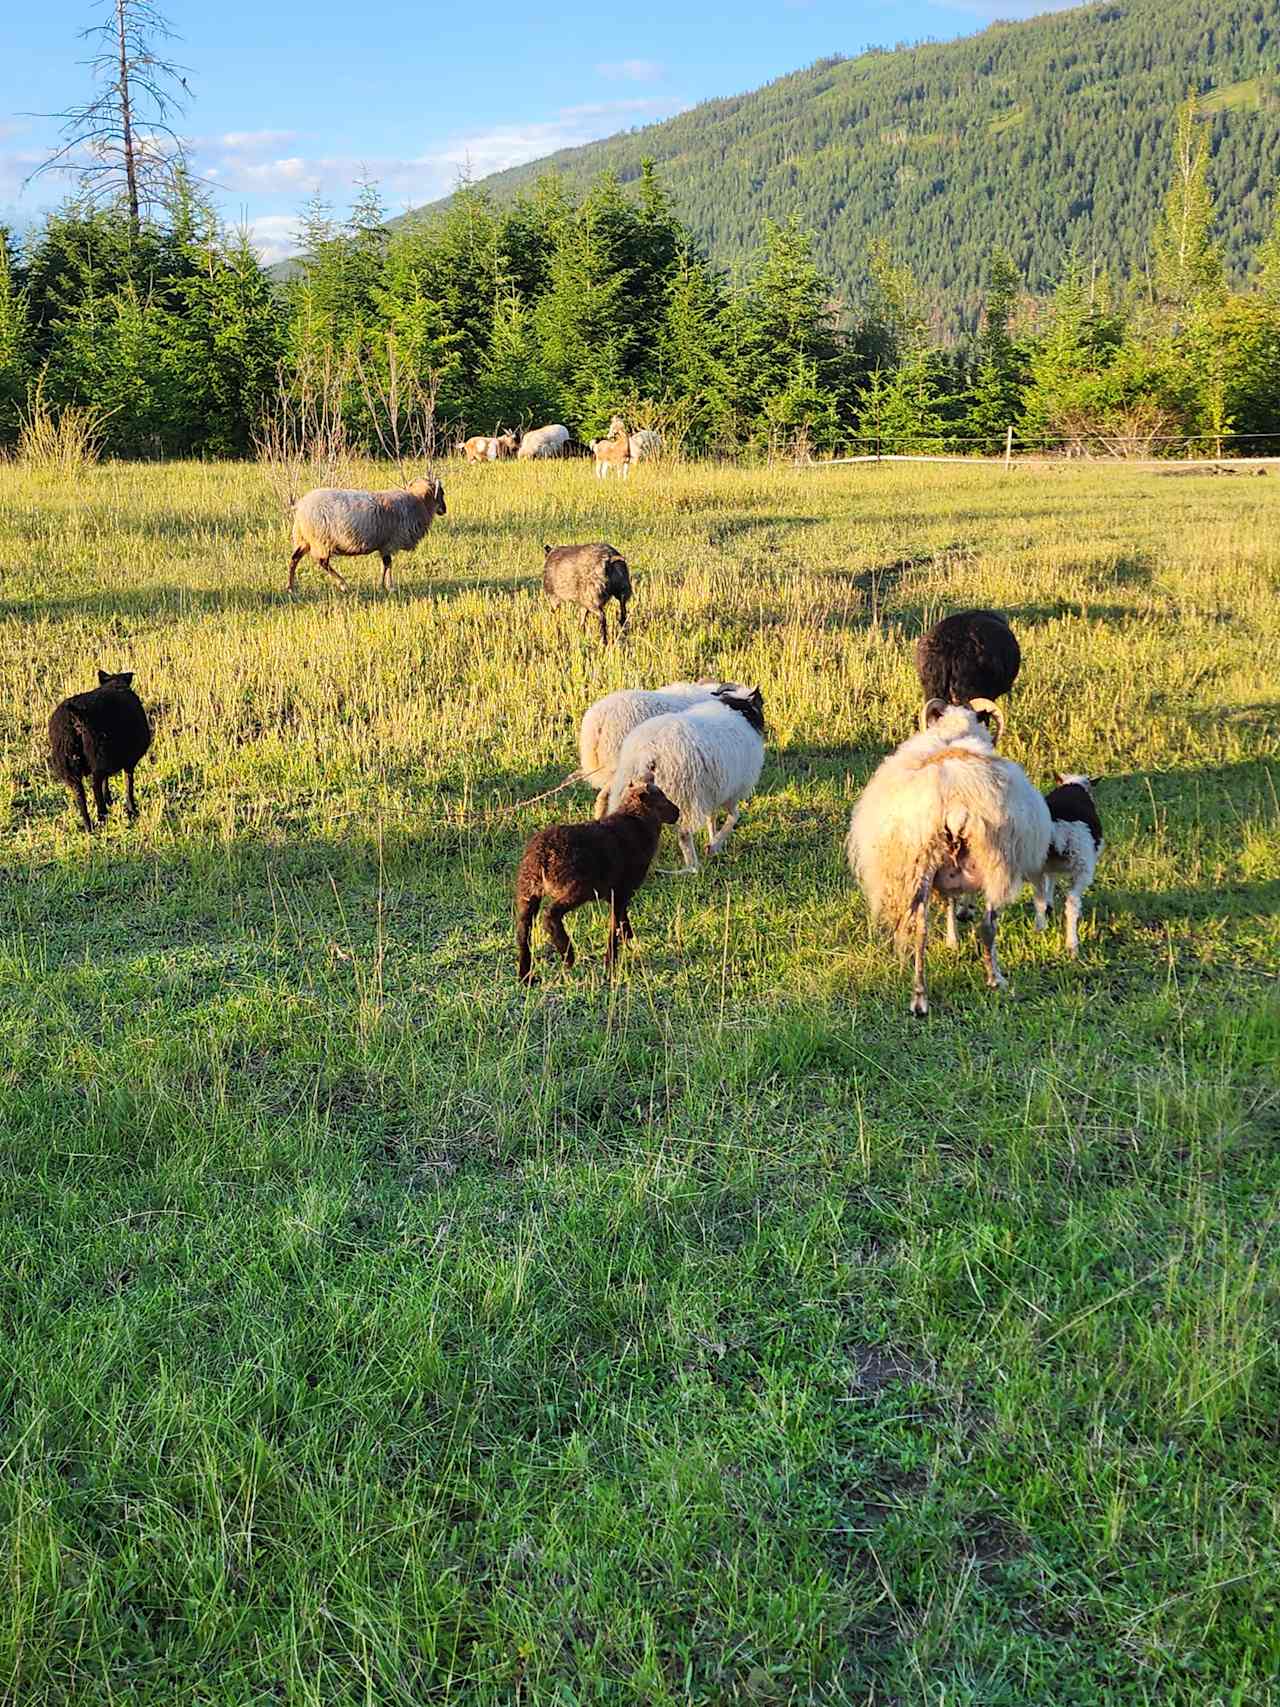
[544,442]
[567,865]
[945,812]
[613,451]
[607,723]
[99,734]
[1075,844]
[587,576]
[706,758]
[972,655]
[497,448]
[333,523]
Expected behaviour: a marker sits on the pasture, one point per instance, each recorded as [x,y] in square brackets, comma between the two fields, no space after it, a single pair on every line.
[376,1331]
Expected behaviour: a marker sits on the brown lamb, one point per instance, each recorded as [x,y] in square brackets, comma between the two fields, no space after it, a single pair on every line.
[567,865]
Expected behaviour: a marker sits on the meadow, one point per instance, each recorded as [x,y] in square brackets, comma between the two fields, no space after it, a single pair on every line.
[376,1331]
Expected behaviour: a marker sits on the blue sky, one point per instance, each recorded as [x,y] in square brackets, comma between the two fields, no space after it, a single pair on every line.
[291,98]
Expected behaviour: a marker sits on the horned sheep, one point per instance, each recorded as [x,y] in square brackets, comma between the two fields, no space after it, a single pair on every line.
[706,758]
[330,522]
[498,447]
[613,451]
[945,813]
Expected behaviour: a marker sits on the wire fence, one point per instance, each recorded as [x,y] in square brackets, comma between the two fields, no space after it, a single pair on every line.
[1094,447]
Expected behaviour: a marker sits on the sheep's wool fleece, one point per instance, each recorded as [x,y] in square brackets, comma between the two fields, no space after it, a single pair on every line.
[337,523]
[543,441]
[705,759]
[947,784]
[607,723]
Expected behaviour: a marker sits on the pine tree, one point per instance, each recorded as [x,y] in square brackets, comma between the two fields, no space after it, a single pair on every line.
[16,343]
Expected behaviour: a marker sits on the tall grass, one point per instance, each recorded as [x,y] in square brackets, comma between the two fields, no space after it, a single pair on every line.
[59,441]
[379,1332]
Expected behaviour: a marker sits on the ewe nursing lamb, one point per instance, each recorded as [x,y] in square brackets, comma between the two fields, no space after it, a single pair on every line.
[99,734]
[330,522]
[946,813]
[707,759]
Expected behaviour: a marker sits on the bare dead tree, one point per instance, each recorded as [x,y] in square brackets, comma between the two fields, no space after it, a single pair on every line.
[121,143]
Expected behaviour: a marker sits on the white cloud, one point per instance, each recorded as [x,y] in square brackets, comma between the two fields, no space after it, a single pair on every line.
[631,70]
[247,141]
[274,235]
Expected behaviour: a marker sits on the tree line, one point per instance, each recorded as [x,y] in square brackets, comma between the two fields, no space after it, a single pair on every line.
[556,308]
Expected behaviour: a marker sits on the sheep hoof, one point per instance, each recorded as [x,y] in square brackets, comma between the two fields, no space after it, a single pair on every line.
[999,982]
[919,1007]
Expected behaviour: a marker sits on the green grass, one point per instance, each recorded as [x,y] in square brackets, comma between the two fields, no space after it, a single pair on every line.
[376,1332]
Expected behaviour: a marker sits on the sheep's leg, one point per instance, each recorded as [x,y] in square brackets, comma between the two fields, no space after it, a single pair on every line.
[619,928]
[77,788]
[294,561]
[953,935]
[101,797]
[331,571]
[919,992]
[1071,914]
[386,571]
[690,852]
[558,934]
[624,918]
[622,614]
[526,913]
[1043,891]
[996,979]
[130,804]
[604,627]
[602,803]
[718,841]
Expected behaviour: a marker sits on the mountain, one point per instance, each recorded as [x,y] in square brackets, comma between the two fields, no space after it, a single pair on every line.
[1036,135]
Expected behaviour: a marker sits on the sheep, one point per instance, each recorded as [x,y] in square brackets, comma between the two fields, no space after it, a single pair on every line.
[972,655]
[332,523]
[99,734]
[1075,844]
[613,451]
[706,758]
[607,723]
[645,445]
[587,576]
[945,812]
[544,442]
[498,448]
[567,865]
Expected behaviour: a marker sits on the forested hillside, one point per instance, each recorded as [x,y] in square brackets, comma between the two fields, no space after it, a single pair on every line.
[1035,137]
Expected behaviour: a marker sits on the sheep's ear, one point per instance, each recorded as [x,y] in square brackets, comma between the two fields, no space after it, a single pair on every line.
[546,551]
[1058,777]
[104,676]
[931,712]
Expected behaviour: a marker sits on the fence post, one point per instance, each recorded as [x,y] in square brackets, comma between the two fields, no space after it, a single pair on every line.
[1008,450]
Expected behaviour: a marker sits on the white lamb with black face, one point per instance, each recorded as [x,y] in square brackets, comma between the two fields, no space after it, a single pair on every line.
[1075,845]
[607,723]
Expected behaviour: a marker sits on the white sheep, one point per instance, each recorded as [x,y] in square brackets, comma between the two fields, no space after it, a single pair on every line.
[607,723]
[330,522]
[706,758]
[544,442]
[1075,843]
[645,445]
[945,812]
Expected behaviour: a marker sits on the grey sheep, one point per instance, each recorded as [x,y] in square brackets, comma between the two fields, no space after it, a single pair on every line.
[333,523]
[587,576]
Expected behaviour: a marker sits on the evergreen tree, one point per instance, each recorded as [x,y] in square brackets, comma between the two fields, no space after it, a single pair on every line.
[16,343]
[998,372]
[1188,268]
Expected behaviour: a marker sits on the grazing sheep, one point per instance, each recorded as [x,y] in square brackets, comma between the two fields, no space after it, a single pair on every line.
[498,448]
[645,445]
[332,523]
[613,451]
[706,758]
[543,442]
[607,723]
[1075,844]
[587,576]
[946,813]
[566,865]
[972,655]
[99,734]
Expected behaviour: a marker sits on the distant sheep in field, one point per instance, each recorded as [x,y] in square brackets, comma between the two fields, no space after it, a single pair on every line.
[544,442]
[567,865]
[97,735]
[330,522]
[1075,844]
[588,576]
[499,447]
[607,723]
[645,445]
[972,655]
[945,813]
[613,452]
[706,758]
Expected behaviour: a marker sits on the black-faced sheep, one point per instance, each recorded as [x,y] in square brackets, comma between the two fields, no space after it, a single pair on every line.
[1075,844]
[607,723]
[946,813]
[587,576]
[97,735]
[330,522]
[567,865]
[972,655]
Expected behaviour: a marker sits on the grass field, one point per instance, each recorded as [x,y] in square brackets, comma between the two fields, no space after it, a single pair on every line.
[378,1332]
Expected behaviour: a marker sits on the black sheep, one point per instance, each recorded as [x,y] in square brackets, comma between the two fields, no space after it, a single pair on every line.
[566,865]
[973,655]
[99,734]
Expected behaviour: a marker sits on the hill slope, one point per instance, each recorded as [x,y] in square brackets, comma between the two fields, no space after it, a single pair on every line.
[1037,135]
